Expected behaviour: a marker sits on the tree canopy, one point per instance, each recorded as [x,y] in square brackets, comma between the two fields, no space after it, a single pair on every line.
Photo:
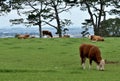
[110,27]
[4,7]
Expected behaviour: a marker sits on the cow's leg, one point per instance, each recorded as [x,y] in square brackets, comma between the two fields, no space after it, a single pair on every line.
[90,63]
[98,67]
[83,62]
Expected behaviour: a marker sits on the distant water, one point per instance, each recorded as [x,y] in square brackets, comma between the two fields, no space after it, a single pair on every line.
[34,31]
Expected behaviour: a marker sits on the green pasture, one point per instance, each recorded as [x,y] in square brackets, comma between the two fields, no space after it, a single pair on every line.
[55,59]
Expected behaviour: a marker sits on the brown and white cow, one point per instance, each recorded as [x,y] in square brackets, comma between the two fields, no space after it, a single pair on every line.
[24,36]
[93,53]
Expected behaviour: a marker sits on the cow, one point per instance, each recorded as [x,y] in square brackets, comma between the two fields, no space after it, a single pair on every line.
[25,36]
[93,53]
[96,38]
[47,33]
[66,36]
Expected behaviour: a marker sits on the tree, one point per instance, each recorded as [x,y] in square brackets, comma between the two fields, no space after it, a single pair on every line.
[115,7]
[4,7]
[56,7]
[111,27]
[86,25]
[47,12]
[96,10]
[34,14]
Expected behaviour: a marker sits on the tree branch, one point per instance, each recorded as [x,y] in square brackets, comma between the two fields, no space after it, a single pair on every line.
[49,24]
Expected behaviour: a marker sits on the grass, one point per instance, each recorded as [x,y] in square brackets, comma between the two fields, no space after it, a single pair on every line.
[55,59]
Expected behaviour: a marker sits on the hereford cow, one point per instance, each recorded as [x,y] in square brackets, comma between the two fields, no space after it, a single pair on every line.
[93,54]
[47,33]
[96,38]
[25,36]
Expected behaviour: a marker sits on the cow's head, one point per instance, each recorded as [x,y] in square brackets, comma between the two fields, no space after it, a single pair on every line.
[101,65]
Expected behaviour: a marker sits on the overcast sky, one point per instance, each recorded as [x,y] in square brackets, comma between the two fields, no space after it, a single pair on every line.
[76,16]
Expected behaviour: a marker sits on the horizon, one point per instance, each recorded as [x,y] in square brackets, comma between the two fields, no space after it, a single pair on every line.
[11,32]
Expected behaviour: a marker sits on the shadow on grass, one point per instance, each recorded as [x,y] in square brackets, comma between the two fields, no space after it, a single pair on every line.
[16,71]
[15,47]
[75,72]
[40,48]
[112,62]
[47,71]
[25,71]
[8,43]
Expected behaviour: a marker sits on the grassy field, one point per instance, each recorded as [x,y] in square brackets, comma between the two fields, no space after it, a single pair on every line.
[55,59]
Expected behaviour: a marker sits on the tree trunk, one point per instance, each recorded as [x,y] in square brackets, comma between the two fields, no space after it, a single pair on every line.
[59,30]
[40,31]
[40,27]
[91,17]
[96,30]
[99,17]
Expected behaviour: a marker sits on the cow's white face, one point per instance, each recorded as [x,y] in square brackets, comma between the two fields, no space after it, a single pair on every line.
[101,65]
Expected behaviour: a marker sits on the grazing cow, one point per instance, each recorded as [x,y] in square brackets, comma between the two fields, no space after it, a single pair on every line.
[96,38]
[47,33]
[25,36]
[93,54]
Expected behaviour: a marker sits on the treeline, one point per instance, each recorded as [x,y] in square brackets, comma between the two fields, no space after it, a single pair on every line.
[42,12]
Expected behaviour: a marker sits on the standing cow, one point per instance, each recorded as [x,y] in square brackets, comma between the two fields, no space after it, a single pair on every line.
[47,33]
[93,54]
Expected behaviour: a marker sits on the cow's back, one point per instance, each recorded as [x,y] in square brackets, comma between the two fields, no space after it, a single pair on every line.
[84,50]
[94,52]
